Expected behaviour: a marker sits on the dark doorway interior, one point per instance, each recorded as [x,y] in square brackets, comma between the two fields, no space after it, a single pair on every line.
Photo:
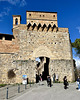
[43,64]
[45,73]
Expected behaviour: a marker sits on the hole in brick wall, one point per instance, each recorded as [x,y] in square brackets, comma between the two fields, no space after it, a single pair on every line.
[53,15]
[43,15]
[29,14]
[40,15]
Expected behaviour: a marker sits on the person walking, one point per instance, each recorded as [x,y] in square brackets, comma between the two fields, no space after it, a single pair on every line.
[49,81]
[79,84]
[54,76]
[65,82]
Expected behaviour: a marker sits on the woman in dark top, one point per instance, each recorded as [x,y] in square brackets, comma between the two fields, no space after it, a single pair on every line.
[65,82]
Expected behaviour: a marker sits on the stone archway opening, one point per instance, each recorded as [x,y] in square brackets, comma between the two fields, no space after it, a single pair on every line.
[42,67]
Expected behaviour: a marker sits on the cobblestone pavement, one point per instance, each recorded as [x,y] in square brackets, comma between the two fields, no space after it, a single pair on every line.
[43,92]
[56,92]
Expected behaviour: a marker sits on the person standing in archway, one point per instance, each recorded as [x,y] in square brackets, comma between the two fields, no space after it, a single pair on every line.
[54,76]
[49,81]
[57,77]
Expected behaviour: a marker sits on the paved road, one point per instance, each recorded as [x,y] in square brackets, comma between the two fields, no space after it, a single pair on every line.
[56,92]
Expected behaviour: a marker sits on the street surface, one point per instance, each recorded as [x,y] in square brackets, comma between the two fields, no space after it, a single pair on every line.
[56,92]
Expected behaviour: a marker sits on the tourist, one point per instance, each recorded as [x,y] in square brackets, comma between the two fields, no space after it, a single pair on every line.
[57,77]
[78,83]
[37,78]
[49,81]
[54,78]
[65,82]
[40,77]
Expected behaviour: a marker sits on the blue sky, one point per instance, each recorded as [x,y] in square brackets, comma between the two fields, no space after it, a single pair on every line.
[68,13]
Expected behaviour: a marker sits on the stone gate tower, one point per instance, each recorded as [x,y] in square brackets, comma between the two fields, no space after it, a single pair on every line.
[39,38]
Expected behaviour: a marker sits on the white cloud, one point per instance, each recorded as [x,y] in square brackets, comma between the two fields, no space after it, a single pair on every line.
[15,2]
[77,63]
[23,3]
[4,12]
[78,28]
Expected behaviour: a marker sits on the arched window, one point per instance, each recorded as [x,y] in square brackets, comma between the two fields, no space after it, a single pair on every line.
[16,21]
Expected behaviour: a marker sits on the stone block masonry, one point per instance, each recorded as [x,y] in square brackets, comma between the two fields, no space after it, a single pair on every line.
[40,37]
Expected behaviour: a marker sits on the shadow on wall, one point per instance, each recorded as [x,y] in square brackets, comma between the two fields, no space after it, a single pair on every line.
[11,74]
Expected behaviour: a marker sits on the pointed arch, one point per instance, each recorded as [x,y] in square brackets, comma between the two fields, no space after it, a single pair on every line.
[44,26]
[34,25]
[39,25]
[49,26]
[28,26]
[42,51]
[54,26]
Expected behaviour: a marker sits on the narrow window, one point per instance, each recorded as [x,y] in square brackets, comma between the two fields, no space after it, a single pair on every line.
[16,21]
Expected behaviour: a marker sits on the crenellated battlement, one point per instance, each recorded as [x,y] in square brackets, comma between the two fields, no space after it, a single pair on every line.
[44,27]
[38,21]
[42,18]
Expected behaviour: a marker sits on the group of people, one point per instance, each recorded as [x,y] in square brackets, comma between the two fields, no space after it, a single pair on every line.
[55,78]
[65,82]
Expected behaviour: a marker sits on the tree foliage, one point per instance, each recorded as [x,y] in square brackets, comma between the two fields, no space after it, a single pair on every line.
[76,45]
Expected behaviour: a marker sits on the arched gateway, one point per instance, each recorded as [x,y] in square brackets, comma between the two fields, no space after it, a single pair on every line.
[40,37]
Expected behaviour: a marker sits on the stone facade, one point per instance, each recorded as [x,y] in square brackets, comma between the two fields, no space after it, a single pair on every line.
[40,37]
